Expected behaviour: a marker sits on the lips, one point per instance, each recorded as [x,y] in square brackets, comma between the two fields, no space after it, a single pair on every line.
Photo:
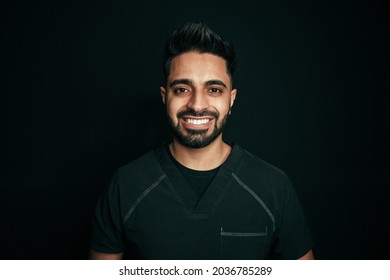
[196,123]
[197,120]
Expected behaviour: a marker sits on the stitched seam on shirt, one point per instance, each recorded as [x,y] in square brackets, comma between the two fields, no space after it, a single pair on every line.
[145,193]
[248,189]
[243,234]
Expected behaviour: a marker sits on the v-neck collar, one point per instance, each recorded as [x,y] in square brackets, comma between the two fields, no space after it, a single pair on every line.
[215,191]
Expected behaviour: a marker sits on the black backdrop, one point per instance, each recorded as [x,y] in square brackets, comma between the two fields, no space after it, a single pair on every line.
[80,97]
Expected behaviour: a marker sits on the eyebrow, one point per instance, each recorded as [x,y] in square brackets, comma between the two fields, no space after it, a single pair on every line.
[189,82]
[216,82]
[180,81]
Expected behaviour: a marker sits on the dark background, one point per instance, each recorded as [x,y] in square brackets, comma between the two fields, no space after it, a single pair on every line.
[80,97]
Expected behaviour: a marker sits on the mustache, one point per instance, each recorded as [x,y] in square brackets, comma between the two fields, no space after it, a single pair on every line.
[193,113]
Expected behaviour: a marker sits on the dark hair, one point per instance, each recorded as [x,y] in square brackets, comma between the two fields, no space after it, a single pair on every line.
[198,37]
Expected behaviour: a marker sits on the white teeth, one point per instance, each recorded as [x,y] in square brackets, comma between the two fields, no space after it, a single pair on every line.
[197,121]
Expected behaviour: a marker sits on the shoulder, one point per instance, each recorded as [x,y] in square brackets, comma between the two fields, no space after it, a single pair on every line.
[138,167]
[133,180]
[257,171]
[139,173]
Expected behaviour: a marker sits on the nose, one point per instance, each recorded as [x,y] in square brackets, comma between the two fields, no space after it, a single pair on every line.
[198,101]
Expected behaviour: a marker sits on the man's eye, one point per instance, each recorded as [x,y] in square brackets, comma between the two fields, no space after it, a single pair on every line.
[215,90]
[180,90]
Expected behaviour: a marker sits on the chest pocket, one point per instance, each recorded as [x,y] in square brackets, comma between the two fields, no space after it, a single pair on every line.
[243,244]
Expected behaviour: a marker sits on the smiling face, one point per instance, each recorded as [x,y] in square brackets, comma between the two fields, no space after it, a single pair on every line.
[198,98]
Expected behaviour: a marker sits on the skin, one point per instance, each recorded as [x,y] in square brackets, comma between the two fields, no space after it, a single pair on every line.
[93,255]
[197,81]
[308,256]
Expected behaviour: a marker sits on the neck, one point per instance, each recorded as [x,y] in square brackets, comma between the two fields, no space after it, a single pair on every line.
[206,158]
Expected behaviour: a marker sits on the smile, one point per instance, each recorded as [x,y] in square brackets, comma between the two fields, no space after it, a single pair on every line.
[197,121]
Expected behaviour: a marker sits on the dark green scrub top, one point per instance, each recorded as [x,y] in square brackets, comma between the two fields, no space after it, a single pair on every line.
[249,211]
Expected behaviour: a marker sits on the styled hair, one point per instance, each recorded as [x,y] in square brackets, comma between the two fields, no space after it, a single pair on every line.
[200,38]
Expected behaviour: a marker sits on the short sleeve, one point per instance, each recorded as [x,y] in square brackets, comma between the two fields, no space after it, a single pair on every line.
[293,237]
[107,228]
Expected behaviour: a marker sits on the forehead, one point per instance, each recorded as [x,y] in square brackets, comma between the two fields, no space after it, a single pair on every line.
[199,66]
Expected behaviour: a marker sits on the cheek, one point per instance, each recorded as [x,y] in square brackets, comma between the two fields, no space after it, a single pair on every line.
[223,107]
[172,108]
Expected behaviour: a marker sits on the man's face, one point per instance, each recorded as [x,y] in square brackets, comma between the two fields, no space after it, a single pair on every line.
[198,98]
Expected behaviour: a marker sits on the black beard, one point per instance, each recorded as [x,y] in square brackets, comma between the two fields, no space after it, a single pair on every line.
[197,138]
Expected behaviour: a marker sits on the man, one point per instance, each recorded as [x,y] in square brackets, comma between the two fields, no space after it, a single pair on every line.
[199,197]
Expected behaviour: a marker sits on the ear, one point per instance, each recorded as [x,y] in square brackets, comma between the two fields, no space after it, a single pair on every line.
[233,94]
[163,93]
